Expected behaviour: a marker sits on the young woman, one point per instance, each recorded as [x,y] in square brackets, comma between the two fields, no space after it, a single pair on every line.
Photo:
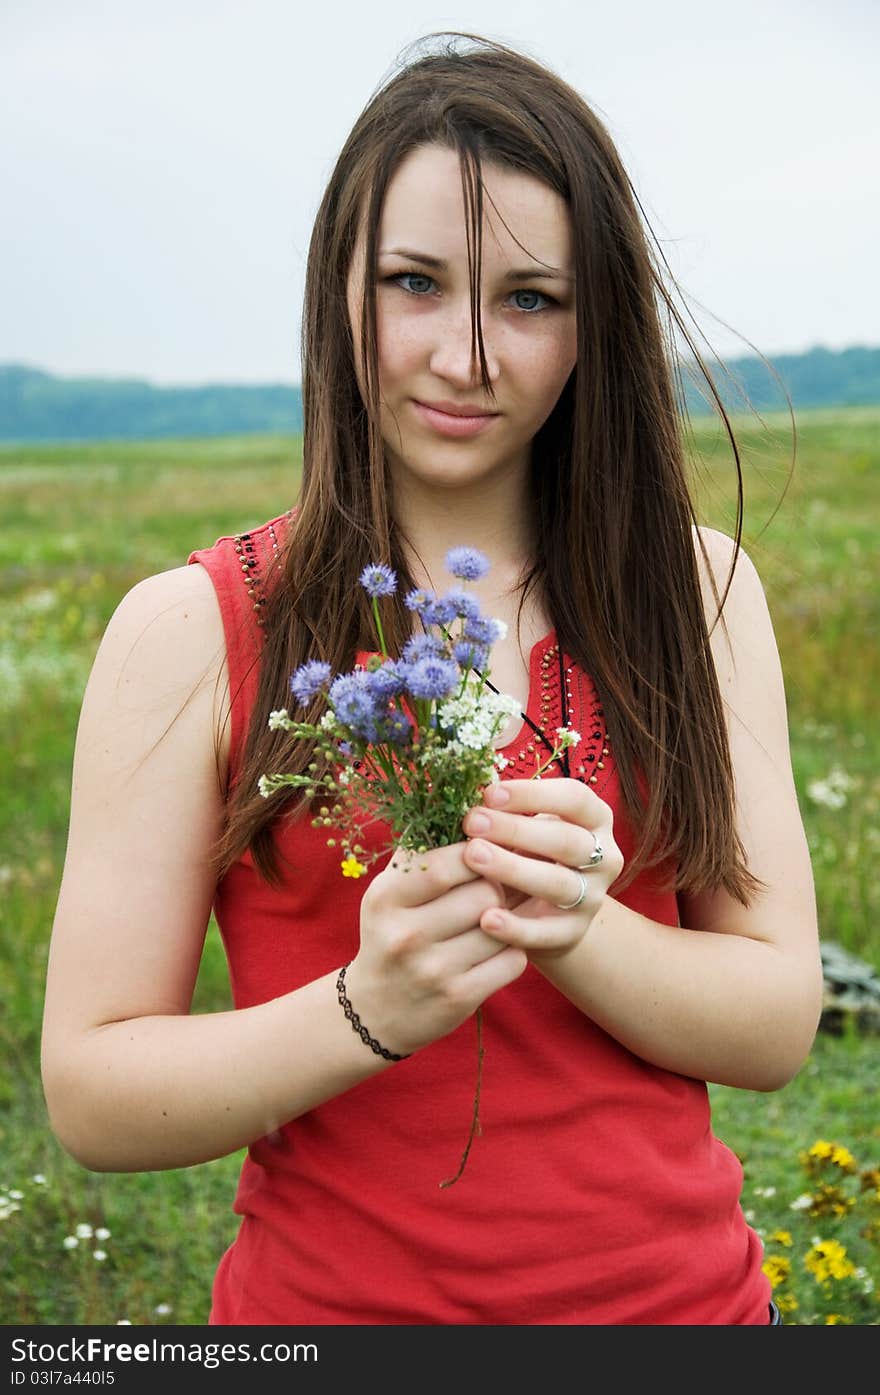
[483,364]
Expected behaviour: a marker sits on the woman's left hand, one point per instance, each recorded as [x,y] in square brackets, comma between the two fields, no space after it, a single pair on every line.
[542,842]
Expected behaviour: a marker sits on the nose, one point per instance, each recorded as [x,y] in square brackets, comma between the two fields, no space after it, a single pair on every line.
[451,356]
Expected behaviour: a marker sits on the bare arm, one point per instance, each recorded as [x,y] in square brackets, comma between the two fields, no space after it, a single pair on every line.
[735,996]
[132,1080]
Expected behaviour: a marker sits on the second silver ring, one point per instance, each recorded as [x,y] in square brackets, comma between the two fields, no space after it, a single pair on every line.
[595,860]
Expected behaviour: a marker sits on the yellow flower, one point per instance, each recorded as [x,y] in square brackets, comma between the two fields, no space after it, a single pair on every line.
[786,1302]
[351,867]
[827,1260]
[843,1158]
[831,1201]
[835,1319]
[777,1268]
[782,1237]
[821,1149]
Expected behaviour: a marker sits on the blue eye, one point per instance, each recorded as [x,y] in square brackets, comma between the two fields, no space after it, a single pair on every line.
[403,276]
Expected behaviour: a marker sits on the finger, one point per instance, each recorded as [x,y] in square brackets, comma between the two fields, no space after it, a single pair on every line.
[568,798]
[416,878]
[535,877]
[527,934]
[453,913]
[460,953]
[542,834]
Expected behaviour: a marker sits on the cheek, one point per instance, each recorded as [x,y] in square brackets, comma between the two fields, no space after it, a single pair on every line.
[552,364]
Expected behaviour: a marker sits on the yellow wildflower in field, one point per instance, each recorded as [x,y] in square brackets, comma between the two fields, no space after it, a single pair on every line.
[823,1151]
[831,1201]
[786,1302]
[843,1158]
[837,1320]
[777,1268]
[827,1260]
[782,1237]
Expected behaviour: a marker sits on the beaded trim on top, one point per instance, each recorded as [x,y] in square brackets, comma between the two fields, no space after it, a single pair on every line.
[557,697]
[250,563]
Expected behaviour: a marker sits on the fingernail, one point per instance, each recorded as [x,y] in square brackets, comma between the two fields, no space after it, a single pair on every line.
[479,823]
[480,852]
[493,921]
[497,794]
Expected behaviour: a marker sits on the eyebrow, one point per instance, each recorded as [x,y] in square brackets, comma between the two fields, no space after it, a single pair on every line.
[530,272]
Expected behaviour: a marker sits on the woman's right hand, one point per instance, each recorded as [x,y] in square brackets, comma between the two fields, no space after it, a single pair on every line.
[424,965]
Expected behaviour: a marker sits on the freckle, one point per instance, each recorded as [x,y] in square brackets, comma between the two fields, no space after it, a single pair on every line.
[164,1113]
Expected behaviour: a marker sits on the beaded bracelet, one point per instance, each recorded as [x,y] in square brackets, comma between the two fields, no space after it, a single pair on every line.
[358,1026]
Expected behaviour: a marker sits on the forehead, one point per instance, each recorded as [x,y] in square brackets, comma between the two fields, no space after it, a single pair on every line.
[424,209]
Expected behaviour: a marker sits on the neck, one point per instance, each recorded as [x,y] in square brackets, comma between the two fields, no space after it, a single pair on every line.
[493,519]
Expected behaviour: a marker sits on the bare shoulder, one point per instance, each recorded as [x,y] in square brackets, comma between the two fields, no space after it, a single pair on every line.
[179,607]
[734,599]
[164,647]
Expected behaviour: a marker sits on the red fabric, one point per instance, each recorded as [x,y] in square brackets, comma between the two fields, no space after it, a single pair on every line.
[597,1192]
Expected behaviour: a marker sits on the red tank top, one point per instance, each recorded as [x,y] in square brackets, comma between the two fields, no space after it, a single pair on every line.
[596,1193]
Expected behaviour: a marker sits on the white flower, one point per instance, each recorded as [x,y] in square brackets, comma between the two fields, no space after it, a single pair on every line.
[16,1195]
[38,1179]
[832,791]
[70,1242]
[102,1233]
[764,1191]
[163,1309]
[123,1322]
[84,1231]
[99,1254]
[567,736]
[802,1202]
[279,718]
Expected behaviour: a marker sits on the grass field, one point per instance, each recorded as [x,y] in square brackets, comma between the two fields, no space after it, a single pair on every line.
[85,522]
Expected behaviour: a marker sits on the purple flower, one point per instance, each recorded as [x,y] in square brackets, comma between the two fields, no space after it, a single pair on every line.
[355,705]
[418,599]
[470,654]
[465,606]
[397,727]
[420,646]
[484,630]
[433,678]
[309,679]
[439,612]
[389,680]
[467,563]
[378,580]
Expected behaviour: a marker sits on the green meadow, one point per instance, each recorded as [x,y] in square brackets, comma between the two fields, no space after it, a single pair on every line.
[83,523]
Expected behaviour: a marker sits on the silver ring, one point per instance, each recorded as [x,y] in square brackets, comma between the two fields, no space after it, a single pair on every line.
[598,854]
[583,891]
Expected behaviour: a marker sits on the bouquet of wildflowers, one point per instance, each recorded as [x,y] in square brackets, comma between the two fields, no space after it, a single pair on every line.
[409,740]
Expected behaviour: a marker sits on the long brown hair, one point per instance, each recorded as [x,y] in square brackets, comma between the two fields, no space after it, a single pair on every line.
[614,548]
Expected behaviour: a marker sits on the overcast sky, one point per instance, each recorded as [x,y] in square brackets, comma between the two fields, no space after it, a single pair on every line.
[162,162]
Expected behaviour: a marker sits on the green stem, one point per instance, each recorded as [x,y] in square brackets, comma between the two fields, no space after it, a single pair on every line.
[379,627]
[475,1121]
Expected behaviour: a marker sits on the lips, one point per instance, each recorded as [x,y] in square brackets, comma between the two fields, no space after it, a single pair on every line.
[454,409]
[454,423]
